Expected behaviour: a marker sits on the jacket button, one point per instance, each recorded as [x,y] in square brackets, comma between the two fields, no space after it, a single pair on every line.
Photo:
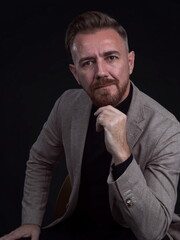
[129,202]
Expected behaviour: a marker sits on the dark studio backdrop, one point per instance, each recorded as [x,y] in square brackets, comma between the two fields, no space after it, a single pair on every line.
[34,73]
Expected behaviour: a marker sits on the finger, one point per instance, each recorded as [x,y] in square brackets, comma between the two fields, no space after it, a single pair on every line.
[100,110]
[107,110]
[99,127]
[8,237]
[13,236]
[16,234]
[99,123]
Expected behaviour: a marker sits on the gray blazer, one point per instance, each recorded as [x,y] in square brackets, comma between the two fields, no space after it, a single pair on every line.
[144,197]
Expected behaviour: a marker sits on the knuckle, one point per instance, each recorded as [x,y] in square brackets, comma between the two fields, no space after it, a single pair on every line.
[100,118]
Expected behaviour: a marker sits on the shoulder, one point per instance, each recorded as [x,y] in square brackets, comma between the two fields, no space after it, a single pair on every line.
[150,108]
[73,96]
[71,101]
[151,118]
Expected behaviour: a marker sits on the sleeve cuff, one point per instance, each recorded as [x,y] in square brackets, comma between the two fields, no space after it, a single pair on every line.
[118,170]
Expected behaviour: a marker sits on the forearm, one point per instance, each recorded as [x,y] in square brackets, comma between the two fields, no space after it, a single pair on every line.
[44,155]
[36,189]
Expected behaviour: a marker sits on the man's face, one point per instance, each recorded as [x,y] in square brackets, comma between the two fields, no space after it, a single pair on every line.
[102,66]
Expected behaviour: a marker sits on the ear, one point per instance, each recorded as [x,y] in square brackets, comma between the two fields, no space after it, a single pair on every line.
[131,57]
[72,68]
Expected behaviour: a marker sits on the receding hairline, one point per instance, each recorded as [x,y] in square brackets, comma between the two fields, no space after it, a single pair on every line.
[94,31]
[97,21]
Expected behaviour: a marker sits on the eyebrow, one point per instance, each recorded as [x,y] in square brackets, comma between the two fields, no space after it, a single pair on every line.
[111,53]
[86,59]
[105,54]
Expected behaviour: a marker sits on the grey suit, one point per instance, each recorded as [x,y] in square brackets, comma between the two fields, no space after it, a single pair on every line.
[144,197]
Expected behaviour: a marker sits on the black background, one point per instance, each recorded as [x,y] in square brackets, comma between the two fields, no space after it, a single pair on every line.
[34,73]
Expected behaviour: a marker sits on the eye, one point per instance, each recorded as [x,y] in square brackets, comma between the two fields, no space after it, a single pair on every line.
[87,63]
[112,58]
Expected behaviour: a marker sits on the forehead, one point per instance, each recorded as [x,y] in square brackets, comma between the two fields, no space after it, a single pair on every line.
[100,40]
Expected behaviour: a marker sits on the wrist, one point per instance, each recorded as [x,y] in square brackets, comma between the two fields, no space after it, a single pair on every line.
[122,157]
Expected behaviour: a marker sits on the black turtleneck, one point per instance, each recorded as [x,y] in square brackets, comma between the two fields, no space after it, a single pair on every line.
[93,204]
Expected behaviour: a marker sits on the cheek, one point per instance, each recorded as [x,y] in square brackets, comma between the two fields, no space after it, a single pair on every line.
[121,72]
[85,81]
[117,72]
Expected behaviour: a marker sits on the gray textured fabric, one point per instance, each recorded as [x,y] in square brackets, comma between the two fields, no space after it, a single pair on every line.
[144,197]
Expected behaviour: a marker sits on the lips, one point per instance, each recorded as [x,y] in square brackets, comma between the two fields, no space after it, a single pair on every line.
[103,83]
[103,86]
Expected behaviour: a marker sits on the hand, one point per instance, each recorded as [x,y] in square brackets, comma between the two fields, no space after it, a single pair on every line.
[114,124]
[27,230]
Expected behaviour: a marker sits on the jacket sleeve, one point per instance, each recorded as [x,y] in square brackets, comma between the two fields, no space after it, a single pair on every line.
[144,198]
[44,155]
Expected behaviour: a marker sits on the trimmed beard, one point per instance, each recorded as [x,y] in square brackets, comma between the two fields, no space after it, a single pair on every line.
[102,97]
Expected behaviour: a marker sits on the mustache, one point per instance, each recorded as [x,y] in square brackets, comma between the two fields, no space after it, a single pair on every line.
[102,82]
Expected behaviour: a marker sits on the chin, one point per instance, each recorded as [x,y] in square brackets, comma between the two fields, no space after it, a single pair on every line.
[105,100]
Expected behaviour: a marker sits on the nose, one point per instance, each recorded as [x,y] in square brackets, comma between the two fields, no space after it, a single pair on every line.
[101,70]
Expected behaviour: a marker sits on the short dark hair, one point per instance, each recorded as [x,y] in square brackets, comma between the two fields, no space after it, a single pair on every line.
[89,22]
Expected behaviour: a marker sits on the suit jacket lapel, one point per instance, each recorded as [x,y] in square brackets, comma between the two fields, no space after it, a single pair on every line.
[80,122]
[135,118]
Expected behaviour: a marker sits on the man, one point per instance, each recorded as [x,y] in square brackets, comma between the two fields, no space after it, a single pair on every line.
[122,148]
